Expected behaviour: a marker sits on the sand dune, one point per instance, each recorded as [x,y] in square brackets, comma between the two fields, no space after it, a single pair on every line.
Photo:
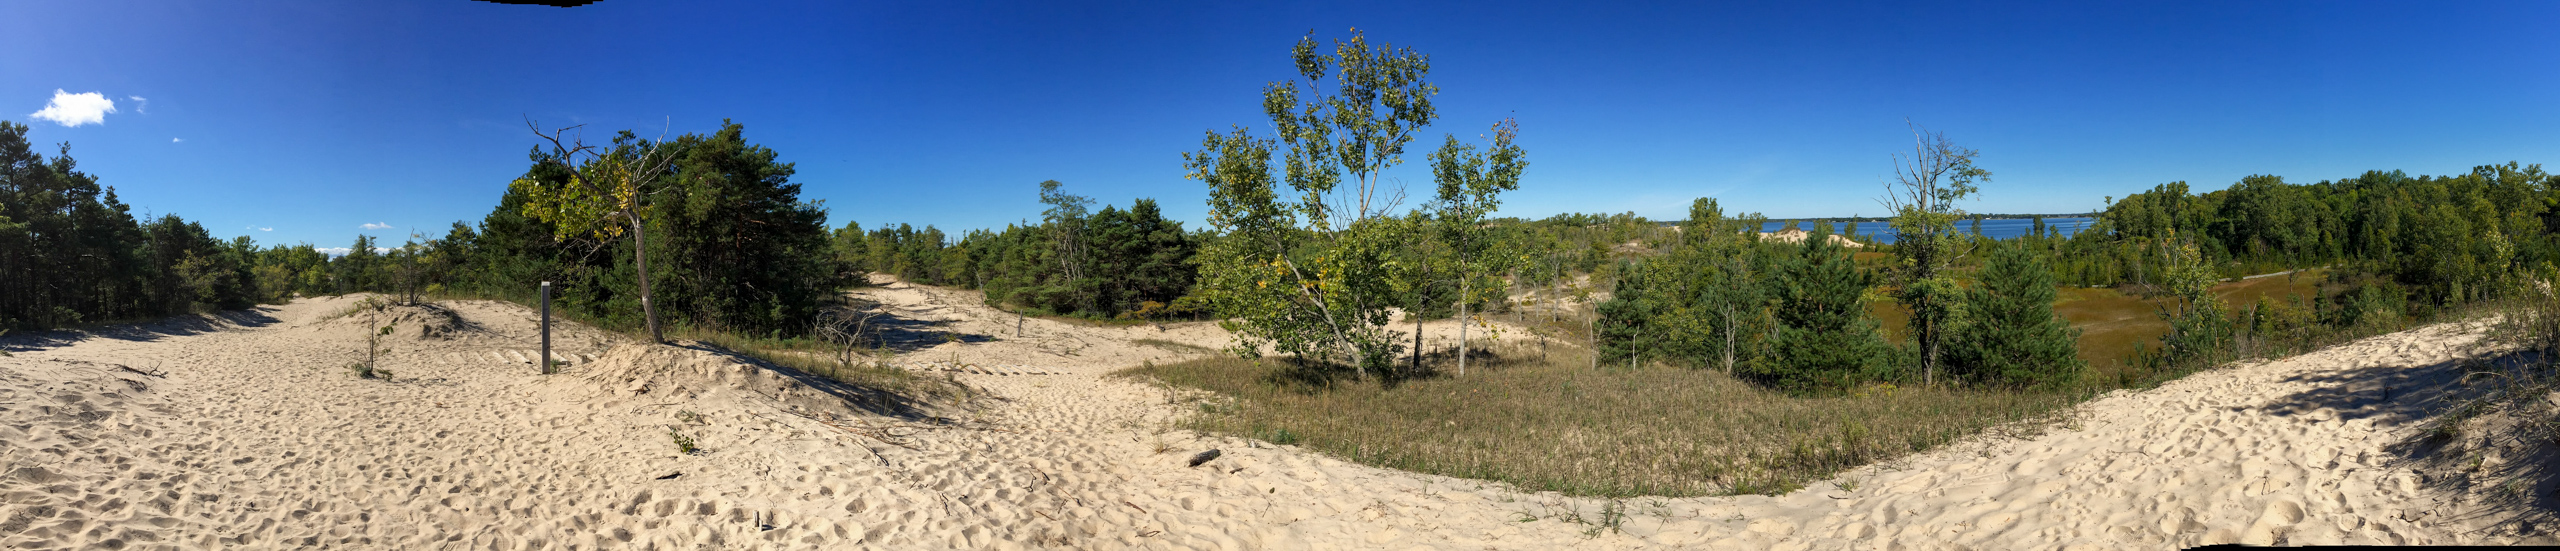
[248,431]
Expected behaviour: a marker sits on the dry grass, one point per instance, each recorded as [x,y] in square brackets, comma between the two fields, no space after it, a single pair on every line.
[1555,424]
[2115,327]
[1178,347]
[804,354]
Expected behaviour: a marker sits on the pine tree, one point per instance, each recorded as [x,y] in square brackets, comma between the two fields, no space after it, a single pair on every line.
[1632,315]
[2009,336]
[1824,339]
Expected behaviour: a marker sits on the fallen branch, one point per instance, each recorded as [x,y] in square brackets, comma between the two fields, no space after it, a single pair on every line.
[882,436]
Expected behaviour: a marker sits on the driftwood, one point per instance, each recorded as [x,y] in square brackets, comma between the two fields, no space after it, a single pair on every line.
[882,435]
[1203,457]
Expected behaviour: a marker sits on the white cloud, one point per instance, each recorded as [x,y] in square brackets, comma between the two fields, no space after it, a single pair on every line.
[139,104]
[342,251]
[266,229]
[376,226]
[176,140]
[70,109]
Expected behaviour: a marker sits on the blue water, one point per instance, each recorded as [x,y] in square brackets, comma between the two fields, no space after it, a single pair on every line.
[1996,228]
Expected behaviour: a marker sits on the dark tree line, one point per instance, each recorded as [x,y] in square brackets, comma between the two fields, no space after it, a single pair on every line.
[71,253]
[1109,263]
[737,249]
[2445,239]
[732,246]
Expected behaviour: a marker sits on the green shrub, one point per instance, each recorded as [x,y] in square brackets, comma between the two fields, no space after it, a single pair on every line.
[1825,341]
[2009,336]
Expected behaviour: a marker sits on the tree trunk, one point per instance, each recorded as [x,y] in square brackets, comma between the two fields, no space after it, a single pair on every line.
[1419,294]
[1594,328]
[1462,328]
[1729,332]
[640,256]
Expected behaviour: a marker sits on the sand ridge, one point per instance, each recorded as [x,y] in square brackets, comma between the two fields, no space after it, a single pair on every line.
[247,431]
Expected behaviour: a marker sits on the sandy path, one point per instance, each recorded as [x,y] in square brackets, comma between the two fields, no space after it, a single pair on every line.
[252,434]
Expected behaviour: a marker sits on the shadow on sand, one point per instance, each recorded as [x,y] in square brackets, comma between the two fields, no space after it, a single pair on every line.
[903,334]
[148,331]
[2449,441]
[875,401]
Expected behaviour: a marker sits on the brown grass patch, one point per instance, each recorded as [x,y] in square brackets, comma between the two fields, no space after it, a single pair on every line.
[1555,424]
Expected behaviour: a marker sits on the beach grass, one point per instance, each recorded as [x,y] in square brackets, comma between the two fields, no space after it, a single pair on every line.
[1553,423]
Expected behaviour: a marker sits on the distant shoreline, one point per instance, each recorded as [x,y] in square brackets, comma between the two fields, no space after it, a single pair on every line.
[1889,218]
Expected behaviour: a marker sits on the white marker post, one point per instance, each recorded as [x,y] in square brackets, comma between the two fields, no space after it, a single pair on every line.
[546,328]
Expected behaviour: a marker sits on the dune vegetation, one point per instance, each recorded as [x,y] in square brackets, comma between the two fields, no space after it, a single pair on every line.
[1761,363]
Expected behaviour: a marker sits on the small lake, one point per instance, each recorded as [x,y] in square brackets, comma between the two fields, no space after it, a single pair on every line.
[1995,228]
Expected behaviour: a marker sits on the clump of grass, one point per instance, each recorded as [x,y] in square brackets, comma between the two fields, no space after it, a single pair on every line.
[1557,425]
[684,444]
[1178,347]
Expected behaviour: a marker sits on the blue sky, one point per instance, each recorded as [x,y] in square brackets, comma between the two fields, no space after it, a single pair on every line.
[307,121]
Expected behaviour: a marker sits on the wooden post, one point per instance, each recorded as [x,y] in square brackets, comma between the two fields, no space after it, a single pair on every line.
[546,328]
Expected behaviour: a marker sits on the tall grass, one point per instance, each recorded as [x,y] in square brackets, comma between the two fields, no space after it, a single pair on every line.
[1554,423]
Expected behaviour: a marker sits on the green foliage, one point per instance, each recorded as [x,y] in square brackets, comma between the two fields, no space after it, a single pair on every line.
[1314,277]
[1824,340]
[684,443]
[1706,303]
[1111,263]
[2009,335]
[2445,239]
[730,244]
[2199,324]
[606,193]
[1927,186]
[1632,316]
[71,253]
[371,366]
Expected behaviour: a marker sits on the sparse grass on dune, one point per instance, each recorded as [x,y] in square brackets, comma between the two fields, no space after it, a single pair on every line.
[1181,347]
[1556,424]
[815,358]
[806,355]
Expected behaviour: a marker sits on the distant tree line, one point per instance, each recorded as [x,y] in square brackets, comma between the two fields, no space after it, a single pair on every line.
[71,253]
[1101,264]
[2441,239]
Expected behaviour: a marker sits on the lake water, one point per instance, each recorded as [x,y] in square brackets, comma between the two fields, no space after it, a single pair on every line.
[1995,228]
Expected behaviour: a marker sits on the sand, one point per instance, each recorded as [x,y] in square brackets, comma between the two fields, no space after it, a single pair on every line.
[247,431]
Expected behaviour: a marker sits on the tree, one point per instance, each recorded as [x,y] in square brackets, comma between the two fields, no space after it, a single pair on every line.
[851,249]
[1470,186]
[1726,298]
[2198,321]
[1066,220]
[603,197]
[1922,197]
[2010,336]
[1315,277]
[1824,340]
[1634,310]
